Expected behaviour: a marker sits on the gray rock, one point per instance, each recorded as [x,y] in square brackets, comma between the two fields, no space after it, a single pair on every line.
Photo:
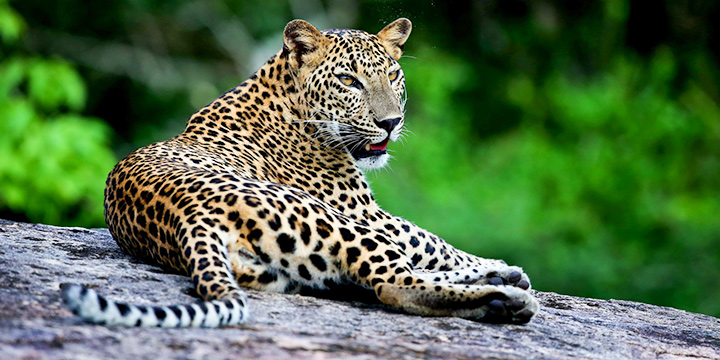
[35,259]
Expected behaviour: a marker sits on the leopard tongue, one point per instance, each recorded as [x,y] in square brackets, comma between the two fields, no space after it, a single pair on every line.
[377,147]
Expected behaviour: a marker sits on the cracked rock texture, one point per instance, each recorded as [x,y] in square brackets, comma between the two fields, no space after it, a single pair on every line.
[35,259]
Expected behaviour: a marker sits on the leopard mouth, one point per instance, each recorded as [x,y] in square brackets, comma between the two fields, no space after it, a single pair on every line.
[369,150]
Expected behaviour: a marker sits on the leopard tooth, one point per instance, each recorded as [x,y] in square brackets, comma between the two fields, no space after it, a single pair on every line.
[367,147]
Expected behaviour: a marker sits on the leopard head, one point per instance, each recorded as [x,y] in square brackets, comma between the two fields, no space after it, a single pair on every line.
[352,85]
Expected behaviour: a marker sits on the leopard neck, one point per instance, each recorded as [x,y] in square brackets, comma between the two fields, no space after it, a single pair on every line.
[262,120]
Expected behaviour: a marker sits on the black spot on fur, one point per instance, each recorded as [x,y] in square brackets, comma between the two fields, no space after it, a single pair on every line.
[176,310]
[255,235]
[369,244]
[352,255]
[286,243]
[416,259]
[318,262]
[275,223]
[429,249]
[364,270]
[305,234]
[159,313]
[347,235]
[103,303]
[304,273]
[123,309]
[266,278]
[414,241]
[392,255]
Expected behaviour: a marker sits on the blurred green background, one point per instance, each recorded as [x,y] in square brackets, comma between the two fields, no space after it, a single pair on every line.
[580,140]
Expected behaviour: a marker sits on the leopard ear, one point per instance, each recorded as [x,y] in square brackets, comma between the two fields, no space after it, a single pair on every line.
[302,41]
[393,36]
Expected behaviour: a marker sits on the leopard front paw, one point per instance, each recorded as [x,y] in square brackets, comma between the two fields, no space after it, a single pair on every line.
[497,274]
[510,275]
[518,308]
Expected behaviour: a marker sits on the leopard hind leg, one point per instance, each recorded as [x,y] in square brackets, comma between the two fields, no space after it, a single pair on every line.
[251,272]
[224,302]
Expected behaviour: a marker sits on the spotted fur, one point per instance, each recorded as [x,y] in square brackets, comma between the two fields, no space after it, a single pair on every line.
[263,190]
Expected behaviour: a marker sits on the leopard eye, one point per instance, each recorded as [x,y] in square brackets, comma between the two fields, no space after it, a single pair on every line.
[393,75]
[349,81]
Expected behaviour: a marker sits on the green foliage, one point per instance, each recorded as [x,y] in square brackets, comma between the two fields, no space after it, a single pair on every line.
[54,160]
[11,24]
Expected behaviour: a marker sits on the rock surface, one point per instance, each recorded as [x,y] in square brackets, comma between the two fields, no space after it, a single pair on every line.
[35,259]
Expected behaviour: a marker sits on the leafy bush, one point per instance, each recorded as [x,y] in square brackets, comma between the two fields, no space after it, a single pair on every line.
[54,160]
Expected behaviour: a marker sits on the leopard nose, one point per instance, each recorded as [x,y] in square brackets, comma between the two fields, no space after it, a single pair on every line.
[388,124]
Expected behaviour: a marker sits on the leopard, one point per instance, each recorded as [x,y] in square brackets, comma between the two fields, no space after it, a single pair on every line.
[265,189]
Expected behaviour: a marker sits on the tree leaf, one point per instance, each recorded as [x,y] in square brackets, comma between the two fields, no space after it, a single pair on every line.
[12,24]
[53,84]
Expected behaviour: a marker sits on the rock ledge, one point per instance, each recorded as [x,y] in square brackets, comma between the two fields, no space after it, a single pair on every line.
[35,259]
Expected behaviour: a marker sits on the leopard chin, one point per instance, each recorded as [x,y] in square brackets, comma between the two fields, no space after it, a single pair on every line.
[373,161]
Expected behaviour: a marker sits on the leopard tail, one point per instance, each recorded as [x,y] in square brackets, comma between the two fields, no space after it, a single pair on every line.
[96,309]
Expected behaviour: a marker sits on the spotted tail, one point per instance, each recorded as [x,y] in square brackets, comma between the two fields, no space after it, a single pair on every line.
[96,309]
